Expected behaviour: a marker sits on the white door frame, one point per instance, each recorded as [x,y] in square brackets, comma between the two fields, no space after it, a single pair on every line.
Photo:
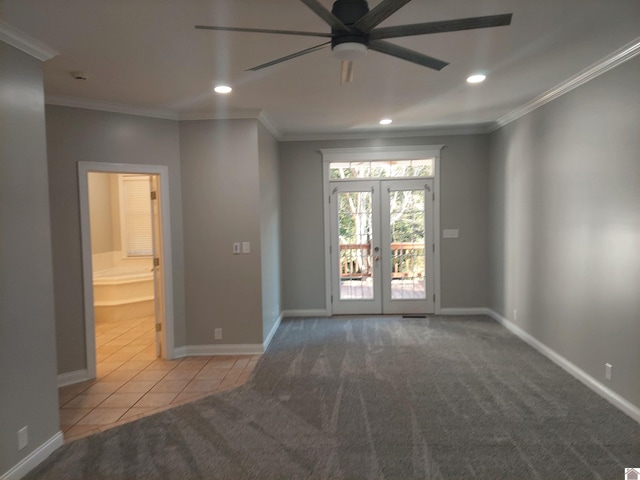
[371,154]
[87,271]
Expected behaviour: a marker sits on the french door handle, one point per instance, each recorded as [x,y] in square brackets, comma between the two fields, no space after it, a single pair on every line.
[377,258]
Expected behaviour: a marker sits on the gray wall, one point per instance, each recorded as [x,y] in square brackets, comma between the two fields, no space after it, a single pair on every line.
[221,198]
[75,135]
[464,205]
[565,213]
[269,228]
[28,393]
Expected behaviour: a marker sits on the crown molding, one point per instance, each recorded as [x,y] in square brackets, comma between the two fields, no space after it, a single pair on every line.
[269,125]
[480,128]
[226,115]
[616,58]
[26,43]
[91,104]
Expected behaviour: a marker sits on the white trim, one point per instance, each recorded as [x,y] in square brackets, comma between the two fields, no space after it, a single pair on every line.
[34,459]
[220,349]
[306,313]
[26,43]
[612,397]
[272,332]
[465,311]
[250,113]
[474,129]
[113,107]
[168,328]
[616,58]
[410,152]
[269,125]
[69,378]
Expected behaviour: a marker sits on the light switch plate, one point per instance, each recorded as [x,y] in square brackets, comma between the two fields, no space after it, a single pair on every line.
[246,247]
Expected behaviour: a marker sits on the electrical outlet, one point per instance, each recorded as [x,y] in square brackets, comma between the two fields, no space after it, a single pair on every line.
[608,371]
[217,334]
[23,438]
[246,247]
[236,248]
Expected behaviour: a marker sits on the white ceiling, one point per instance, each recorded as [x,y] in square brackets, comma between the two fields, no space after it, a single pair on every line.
[145,54]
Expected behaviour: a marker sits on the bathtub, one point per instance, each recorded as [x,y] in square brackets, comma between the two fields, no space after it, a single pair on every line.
[123,293]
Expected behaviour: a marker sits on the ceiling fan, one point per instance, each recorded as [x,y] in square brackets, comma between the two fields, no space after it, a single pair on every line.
[353,32]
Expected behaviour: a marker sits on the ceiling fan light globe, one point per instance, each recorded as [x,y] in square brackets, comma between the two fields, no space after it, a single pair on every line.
[349,51]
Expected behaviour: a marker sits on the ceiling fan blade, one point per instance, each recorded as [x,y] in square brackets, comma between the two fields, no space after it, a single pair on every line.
[346,74]
[319,9]
[262,30]
[289,57]
[406,54]
[442,26]
[379,14]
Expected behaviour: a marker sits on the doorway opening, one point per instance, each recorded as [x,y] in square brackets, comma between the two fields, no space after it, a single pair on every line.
[381,215]
[126,264]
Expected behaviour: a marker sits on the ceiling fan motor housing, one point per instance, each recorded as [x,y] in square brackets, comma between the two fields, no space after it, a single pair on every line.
[349,12]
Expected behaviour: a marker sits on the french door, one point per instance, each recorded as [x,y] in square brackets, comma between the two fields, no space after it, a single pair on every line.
[382,257]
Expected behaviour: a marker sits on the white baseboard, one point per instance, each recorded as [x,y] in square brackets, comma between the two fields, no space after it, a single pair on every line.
[221,349]
[34,459]
[69,378]
[305,313]
[612,397]
[271,333]
[465,311]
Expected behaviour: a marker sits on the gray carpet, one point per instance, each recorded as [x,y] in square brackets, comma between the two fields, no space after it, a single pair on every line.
[368,398]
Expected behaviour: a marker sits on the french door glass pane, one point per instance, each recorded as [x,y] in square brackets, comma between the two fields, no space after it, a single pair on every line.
[355,232]
[407,253]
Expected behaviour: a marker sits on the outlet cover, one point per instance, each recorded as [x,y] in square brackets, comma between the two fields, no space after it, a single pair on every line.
[246,247]
[217,334]
[236,248]
[608,371]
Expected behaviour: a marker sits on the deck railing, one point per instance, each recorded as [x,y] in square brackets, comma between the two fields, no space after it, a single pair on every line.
[356,260]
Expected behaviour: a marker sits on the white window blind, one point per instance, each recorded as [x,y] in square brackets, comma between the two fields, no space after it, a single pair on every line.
[135,208]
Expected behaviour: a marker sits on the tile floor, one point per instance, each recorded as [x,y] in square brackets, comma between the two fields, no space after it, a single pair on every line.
[132,383]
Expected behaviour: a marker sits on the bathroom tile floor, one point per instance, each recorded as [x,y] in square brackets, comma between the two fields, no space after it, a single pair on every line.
[132,382]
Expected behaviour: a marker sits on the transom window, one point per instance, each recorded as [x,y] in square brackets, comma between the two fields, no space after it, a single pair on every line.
[382,169]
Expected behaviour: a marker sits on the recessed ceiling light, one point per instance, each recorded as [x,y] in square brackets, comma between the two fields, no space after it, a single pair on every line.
[479,78]
[385,121]
[222,89]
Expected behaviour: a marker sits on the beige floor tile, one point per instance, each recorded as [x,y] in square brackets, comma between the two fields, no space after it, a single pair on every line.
[201,386]
[119,376]
[86,400]
[106,367]
[137,387]
[117,400]
[156,399]
[181,374]
[211,374]
[149,375]
[226,363]
[136,412]
[104,387]
[137,366]
[161,364]
[102,416]
[169,386]
[71,416]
